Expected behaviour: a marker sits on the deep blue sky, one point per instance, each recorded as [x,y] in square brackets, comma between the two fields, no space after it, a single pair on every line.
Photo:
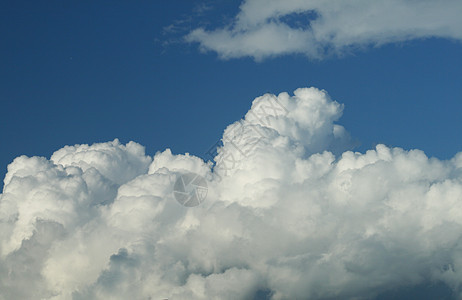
[85,72]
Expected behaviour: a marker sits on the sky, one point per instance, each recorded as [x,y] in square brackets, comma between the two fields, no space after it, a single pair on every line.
[77,74]
[378,77]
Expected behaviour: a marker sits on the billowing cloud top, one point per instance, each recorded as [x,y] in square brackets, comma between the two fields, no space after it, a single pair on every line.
[285,217]
[316,28]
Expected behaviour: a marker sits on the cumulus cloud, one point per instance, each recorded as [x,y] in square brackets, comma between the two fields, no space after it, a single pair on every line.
[290,213]
[319,28]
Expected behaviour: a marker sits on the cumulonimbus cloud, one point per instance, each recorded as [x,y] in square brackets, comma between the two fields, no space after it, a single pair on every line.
[290,214]
[319,28]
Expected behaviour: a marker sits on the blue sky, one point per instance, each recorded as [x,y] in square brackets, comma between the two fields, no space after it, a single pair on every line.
[174,74]
[76,73]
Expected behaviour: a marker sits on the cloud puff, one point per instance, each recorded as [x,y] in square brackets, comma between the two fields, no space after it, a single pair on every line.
[290,214]
[267,28]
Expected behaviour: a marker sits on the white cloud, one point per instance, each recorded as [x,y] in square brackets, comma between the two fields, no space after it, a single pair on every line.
[284,217]
[266,28]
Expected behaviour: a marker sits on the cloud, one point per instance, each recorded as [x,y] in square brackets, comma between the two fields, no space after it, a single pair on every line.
[318,29]
[290,214]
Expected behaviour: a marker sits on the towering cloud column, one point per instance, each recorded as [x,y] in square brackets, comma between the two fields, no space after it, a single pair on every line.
[289,213]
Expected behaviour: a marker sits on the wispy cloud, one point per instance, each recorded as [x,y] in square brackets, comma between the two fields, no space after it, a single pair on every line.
[268,28]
